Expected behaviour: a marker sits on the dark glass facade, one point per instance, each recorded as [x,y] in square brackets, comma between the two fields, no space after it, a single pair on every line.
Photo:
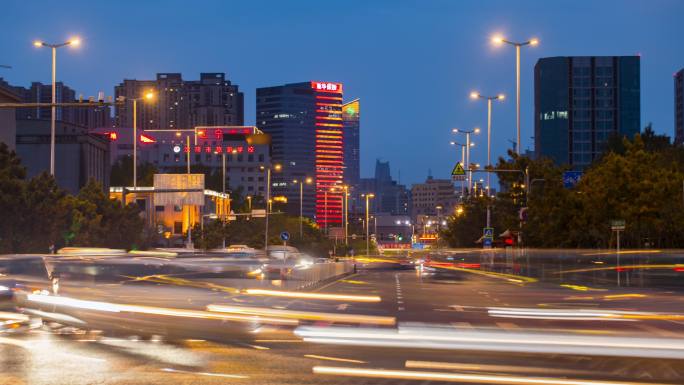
[305,124]
[581,101]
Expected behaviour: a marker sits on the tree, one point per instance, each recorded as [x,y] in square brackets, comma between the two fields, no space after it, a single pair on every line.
[122,173]
[97,220]
[12,184]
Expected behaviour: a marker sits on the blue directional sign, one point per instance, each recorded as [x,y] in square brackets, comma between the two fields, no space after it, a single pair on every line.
[285,236]
[487,237]
[570,178]
[488,232]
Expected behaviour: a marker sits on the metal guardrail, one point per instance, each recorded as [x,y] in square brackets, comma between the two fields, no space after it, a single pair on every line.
[320,272]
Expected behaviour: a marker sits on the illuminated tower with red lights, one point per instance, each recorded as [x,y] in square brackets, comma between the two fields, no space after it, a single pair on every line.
[306,125]
[329,153]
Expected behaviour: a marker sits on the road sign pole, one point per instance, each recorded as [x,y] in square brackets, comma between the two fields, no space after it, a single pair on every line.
[617,269]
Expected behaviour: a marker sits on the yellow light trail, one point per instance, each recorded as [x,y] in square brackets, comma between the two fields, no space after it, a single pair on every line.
[579,287]
[326,358]
[321,296]
[458,377]
[303,315]
[508,277]
[623,267]
[121,308]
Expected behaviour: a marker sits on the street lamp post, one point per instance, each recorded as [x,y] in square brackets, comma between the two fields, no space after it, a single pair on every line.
[476,95]
[467,154]
[301,182]
[517,45]
[463,148]
[368,196]
[276,167]
[74,42]
[345,188]
[325,211]
[148,96]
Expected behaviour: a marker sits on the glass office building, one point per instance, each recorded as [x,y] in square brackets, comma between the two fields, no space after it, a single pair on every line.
[582,101]
[305,123]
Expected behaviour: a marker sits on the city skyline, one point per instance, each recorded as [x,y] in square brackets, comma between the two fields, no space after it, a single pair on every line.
[395,63]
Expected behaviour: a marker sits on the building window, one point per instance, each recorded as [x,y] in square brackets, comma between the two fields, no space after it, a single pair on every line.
[261,157]
[159,209]
[178,227]
[177,208]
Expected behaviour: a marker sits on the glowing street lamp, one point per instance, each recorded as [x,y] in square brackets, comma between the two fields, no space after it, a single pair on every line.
[477,95]
[275,167]
[74,42]
[148,96]
[499,40]
[301,182]
[468,145]
[368,196]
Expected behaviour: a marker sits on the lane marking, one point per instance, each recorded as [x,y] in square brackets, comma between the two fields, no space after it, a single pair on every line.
[236,376]
[326,358]
[462,325]
[507,325]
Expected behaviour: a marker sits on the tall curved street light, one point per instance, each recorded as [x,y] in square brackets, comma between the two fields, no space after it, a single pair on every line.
[477,95]
[149,95]
[74,42]
[532,42]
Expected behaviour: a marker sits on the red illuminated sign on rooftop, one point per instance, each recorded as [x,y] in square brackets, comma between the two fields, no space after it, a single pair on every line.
[327,87]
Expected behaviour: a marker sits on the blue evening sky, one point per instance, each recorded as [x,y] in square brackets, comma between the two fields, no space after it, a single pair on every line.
[412,63]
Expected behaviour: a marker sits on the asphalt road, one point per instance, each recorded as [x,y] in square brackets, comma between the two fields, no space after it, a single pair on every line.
[457,301]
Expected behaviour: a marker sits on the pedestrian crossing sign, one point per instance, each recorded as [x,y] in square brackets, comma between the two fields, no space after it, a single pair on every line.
[458,173]
[488,233]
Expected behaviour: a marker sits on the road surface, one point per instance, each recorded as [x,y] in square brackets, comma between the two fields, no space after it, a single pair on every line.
[458,301]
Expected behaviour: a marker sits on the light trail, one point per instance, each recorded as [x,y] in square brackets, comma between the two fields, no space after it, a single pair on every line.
[581,314]
[235,376]
[482,367]
[171,312]
[458,377]
[303,315]
[507,277]
[496,340]
[308,295]
[326,358]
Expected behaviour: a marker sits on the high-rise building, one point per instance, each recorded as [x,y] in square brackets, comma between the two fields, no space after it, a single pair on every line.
[79,155]
[679,106]
[580,102]
[180,104]
[244,149]
[434,198]
[390,196]
[351,113]
[305,123]
[8,116]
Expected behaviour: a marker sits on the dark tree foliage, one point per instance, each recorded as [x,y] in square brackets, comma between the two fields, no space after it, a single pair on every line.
[37,214]
[122,173]
[639,181]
